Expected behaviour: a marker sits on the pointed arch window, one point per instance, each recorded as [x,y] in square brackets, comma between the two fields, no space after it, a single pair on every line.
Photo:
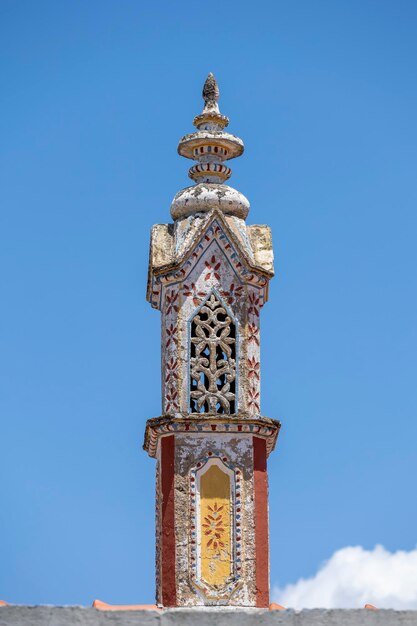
[213,359]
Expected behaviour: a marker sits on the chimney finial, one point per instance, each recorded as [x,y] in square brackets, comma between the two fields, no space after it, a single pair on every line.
[211,94]
[211,147]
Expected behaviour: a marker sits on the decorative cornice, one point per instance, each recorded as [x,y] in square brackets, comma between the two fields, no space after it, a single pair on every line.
[194,423]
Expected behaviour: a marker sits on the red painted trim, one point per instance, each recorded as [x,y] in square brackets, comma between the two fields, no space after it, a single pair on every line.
[260,483]
[168,579]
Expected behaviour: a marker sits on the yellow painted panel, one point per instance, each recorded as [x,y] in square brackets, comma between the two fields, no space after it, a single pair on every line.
[215,531]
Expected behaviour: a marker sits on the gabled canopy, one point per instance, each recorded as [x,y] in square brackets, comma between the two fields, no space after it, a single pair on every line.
[173,244]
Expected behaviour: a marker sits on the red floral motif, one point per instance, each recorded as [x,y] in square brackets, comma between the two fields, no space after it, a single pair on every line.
[234,292]
[253,333]
[255,304]
[171,299]
[171,333]
[192,291]
[214,525]
[253,368]
[171,400]
[213,268]
[171,370]
[253,400]
[180,274]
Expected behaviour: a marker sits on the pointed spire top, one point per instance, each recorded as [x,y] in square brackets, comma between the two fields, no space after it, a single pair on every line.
[211,94]
[211,118]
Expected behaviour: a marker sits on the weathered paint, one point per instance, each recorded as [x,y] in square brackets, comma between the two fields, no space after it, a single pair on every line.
[260,480]
[168,521]
[234,454]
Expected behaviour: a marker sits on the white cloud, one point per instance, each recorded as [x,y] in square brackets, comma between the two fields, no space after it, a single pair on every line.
[353,577]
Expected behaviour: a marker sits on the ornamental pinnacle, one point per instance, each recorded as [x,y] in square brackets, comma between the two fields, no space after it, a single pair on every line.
[208,275]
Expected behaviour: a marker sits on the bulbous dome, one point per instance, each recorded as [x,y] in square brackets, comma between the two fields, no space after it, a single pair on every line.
[204,197]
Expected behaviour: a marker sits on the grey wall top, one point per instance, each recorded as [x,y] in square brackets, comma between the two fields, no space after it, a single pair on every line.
[79,616]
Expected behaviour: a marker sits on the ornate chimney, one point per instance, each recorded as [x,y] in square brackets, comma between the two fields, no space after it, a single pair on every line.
[208,275]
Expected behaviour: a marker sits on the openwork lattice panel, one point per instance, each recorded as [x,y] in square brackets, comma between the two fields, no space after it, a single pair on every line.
[213,359]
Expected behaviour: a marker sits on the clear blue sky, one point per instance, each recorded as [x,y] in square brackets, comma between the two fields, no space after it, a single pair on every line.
[94,98]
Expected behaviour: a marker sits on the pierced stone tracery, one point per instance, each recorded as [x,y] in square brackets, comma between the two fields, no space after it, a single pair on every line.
[213,360]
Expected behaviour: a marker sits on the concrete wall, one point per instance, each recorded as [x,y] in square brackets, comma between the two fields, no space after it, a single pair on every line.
[78,616]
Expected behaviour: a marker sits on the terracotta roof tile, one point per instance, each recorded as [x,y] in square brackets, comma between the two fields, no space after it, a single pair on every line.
[103,606]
